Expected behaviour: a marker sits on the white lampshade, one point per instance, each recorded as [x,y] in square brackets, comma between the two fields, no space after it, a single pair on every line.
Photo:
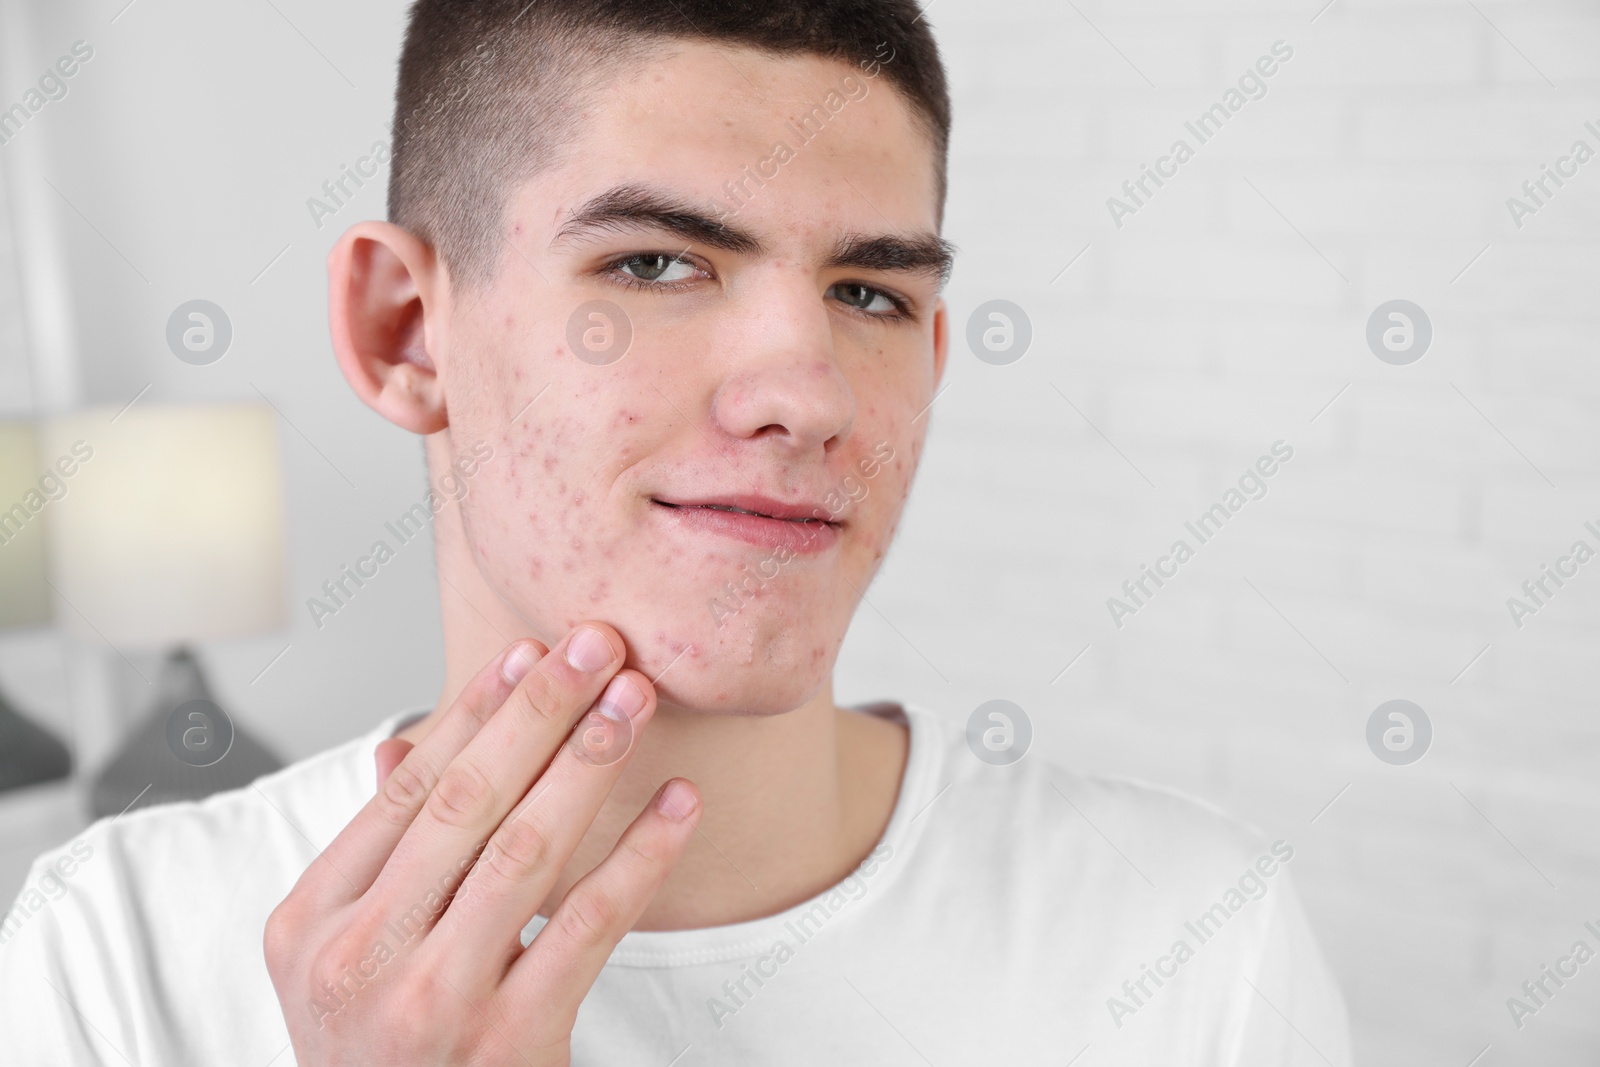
[171,528]
[25,597]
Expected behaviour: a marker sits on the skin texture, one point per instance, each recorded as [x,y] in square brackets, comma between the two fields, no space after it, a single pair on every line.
[747,383]
[749,374]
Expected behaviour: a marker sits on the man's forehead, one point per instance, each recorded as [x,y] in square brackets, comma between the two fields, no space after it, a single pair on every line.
[724,121]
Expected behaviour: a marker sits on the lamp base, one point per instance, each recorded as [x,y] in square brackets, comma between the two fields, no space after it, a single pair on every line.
[29,754]
[186,748]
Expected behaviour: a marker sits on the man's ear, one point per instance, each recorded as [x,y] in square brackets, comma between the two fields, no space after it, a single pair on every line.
[941,340]
[388,303]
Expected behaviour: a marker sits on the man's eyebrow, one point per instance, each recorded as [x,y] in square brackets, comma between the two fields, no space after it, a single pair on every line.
[639,206]
[917,253]
[632,206]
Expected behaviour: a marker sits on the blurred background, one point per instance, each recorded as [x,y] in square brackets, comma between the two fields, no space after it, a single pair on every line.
[162,301]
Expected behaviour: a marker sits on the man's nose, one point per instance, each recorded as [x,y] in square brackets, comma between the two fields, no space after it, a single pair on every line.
[783,378]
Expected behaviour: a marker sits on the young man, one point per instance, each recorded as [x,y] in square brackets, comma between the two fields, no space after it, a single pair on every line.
[662,286]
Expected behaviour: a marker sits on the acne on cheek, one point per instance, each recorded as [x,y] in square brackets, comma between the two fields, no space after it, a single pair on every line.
[671,648]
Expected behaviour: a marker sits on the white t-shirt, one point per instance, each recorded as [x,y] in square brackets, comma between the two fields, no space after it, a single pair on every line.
[1020,914]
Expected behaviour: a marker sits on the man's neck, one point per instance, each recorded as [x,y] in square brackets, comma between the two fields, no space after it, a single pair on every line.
[792,802]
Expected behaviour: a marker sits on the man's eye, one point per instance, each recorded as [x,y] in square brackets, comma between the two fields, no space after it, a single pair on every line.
[864,297]
[657,267]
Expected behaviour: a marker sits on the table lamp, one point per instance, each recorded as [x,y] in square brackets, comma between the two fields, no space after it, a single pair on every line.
[29,754]
[171,531]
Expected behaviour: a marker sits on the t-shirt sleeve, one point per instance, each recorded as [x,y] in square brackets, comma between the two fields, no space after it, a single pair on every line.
[52,1012]
[1293,1012]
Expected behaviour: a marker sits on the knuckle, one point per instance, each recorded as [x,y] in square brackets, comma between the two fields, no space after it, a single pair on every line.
[335,968]
[351,961]
[404,792]
[463,798]
[645,850]
[517,849]
[587,918]
[417,999]
[538,700]
[424,1010]
[281,934]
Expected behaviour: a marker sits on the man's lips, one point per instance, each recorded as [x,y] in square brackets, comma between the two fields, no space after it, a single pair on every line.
[761,506]
[801,528]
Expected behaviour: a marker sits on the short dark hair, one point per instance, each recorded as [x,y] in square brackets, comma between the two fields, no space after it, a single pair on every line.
[489,90]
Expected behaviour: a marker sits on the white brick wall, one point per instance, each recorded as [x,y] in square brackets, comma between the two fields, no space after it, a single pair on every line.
[1194,337]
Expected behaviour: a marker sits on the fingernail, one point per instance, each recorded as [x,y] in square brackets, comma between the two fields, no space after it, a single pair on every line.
[621,700]
[588,650]
[676,800]
[518,662]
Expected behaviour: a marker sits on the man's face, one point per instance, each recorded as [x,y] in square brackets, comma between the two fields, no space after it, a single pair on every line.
[786,343]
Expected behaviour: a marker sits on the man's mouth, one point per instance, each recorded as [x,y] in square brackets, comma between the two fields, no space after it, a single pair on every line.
[760,508]
[800,527]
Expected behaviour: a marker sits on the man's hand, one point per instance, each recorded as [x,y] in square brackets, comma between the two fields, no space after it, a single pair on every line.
[400,944]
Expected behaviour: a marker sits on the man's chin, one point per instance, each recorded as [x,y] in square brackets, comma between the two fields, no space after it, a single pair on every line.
[728,688]
[752,702]
[758,662]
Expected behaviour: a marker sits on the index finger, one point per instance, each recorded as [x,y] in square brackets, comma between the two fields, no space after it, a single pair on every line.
[472,795]
[348,867]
